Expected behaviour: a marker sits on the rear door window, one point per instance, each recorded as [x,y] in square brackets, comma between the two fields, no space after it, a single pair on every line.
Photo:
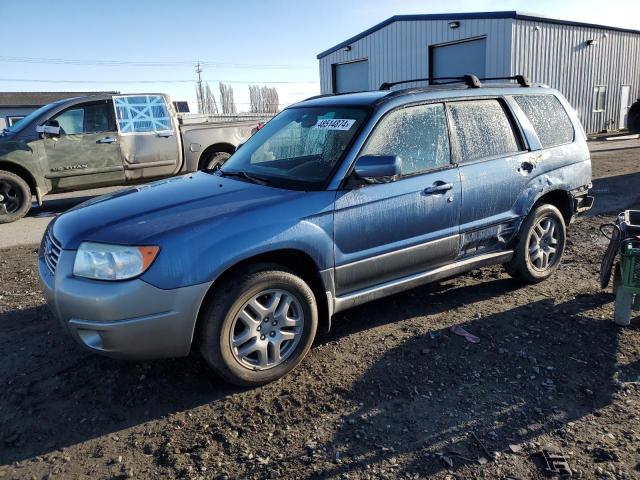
[99,118]
[418,135]
[142,114]
[483,129]
[548,117]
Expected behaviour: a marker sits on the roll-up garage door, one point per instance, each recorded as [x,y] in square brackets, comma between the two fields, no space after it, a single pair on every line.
[351,77]
[460,58]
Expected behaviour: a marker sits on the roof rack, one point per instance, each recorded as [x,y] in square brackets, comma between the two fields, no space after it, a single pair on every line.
[470,80]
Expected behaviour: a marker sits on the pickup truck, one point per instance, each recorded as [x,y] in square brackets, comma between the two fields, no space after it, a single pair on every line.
[105,140]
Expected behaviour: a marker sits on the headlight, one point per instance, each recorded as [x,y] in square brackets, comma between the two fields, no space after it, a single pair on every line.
[112,262]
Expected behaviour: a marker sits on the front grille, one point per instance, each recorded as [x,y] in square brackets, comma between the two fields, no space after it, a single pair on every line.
[51,252]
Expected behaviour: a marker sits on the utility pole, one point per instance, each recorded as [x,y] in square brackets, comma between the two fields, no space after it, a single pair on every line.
[200,92]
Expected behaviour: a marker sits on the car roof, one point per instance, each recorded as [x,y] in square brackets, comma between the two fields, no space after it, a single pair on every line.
[379,97]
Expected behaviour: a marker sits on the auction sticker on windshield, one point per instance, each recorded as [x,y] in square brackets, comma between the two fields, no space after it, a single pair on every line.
[335,124]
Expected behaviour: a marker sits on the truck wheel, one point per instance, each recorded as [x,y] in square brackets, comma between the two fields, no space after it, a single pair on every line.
[258,325]
[214,160]
[539,246]
[15,197]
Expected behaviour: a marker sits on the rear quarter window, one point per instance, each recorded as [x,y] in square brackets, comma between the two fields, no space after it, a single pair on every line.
[483,129]
[548,117]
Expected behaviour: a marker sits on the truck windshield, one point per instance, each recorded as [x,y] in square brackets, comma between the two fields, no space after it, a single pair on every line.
[23,122]
[299,148]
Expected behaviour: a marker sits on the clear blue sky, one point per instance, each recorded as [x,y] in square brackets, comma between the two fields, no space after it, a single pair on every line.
[250,41]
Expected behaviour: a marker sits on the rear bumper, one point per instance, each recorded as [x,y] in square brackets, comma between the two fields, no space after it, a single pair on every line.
[129,319]
[582,201]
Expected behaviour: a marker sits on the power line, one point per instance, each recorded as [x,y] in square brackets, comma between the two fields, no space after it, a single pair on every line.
[129,63]
[262,82]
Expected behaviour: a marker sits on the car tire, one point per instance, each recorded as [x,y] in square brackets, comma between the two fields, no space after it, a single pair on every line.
[214,160]
[539,245]
[15,197]
[245,326]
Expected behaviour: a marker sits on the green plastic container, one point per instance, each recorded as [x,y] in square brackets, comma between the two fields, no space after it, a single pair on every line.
[627,276]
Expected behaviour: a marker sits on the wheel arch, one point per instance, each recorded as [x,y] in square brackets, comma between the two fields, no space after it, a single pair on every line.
[23,173]
[297,261]
[561,199]
[215,148]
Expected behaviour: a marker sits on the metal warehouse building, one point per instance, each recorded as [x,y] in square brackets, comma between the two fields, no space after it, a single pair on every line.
[596,67]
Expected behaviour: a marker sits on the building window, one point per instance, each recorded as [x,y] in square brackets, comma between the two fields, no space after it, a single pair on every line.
[599,98]
[11,121]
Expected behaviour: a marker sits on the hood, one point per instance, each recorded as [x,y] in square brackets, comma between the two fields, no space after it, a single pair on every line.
[142,215]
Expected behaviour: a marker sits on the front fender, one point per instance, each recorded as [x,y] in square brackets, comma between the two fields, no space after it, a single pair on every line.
[23,159]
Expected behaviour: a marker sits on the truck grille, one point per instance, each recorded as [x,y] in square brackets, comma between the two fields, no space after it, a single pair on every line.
[51,252]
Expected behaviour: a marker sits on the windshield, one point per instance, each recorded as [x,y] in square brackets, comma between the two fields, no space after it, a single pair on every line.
[299,148]
[23,122]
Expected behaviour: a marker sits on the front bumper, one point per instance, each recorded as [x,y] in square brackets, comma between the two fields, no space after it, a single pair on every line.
[129,319]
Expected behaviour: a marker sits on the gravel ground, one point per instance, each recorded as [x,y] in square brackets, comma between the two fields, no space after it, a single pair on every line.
[390,392]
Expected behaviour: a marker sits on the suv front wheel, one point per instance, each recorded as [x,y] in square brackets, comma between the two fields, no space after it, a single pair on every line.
[539,246]
[258,325]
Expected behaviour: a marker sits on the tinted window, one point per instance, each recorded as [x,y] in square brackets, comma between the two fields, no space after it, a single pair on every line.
[548,117]
[99,118]
[418,135]
[482,129]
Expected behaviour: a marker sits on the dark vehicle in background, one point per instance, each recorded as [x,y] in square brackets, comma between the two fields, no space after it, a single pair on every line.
[105,140]
[337,201]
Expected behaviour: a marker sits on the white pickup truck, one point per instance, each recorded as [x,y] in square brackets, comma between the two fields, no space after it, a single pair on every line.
[104,140]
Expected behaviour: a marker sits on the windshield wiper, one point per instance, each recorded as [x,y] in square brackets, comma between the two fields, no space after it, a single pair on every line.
[246,176]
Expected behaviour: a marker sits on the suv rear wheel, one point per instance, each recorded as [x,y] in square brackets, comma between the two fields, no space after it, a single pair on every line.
[15,197]
[539,246]
[259,325]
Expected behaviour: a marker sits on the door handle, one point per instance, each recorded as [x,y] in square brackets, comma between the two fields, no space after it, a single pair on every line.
[437,187]
[164,134]
[107,140]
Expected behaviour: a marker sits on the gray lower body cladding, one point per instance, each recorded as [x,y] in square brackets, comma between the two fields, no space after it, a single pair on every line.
[129,319]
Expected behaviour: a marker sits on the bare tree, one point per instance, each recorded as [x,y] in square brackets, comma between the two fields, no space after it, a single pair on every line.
[263,99]
[210,101]
[226,99]
[206,99]
[270,99]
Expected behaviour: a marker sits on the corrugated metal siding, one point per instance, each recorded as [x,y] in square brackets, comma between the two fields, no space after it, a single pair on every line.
[400,50]
[558,56]
[555,54]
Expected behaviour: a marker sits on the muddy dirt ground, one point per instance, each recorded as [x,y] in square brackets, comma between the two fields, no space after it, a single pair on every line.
[390,392]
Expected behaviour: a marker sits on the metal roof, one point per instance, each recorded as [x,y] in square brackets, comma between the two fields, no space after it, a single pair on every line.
[468,16]
[38,99]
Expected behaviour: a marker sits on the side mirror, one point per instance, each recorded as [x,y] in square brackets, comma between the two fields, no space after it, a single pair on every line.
[50,127]
[378,168]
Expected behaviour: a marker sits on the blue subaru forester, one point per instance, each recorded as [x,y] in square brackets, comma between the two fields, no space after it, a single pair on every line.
[337,201]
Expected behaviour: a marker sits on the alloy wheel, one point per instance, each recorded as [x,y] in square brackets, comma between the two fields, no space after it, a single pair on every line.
[10,197]
[543,243]
[267,329]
